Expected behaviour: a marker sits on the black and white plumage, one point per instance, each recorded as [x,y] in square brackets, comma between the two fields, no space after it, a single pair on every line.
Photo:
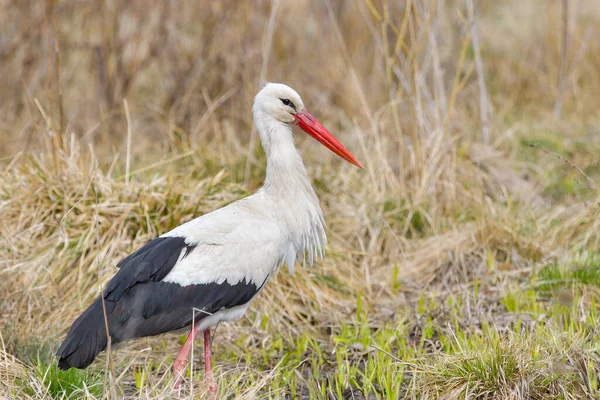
[140,303]
[219,262]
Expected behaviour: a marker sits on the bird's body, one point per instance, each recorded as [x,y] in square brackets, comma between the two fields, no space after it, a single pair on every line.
[217,263]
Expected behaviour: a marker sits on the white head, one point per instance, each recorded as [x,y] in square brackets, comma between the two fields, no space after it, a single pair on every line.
[277,103]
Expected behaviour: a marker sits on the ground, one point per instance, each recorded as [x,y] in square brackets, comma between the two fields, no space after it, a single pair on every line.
[463,261]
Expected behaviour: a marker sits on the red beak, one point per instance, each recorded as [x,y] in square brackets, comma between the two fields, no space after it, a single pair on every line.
[313,127]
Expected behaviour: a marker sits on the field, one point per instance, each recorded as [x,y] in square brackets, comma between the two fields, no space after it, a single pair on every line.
[463,261]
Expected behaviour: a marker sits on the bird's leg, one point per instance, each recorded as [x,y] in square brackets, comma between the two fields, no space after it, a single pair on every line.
[208,373]
[181,360]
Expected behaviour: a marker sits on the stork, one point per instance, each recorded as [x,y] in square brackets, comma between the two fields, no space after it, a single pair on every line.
[217,263]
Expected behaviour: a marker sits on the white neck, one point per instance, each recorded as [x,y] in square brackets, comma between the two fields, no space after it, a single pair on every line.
[288,184]
[286,173]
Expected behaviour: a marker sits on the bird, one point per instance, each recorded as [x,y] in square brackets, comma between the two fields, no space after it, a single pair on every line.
[219,262]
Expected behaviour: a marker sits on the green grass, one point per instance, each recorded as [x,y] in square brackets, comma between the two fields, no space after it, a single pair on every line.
[434,351]
[71,384]
[538,352]
[582,271]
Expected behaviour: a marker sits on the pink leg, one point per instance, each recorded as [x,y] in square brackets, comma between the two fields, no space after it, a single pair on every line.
[208,374]
[181,360]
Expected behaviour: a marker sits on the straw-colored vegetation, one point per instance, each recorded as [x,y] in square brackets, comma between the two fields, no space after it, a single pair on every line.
[464,260]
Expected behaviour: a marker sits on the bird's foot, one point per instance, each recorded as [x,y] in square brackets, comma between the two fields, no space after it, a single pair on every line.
[178,371]
[213,389]
[177,384]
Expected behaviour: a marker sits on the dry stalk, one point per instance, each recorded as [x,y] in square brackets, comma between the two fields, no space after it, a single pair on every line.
[129,134]
[591,183]
[109,357]
[563,60]
[483,95]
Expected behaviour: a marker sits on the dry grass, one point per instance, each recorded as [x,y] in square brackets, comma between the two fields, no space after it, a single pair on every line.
[455,268]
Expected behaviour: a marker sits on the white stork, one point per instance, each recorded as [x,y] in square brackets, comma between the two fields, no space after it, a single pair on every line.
[219,262]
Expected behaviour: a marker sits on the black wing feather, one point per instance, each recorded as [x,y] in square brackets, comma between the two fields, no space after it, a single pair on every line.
[151,263]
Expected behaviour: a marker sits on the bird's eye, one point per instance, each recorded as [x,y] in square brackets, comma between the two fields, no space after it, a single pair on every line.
[287,102]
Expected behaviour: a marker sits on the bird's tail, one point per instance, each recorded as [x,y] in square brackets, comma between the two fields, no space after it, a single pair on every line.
[86,338]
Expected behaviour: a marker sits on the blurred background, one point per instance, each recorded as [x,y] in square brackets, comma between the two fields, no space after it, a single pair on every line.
[184,66]
[472,233]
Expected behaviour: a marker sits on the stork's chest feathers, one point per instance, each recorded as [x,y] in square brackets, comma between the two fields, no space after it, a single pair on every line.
[303,220]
